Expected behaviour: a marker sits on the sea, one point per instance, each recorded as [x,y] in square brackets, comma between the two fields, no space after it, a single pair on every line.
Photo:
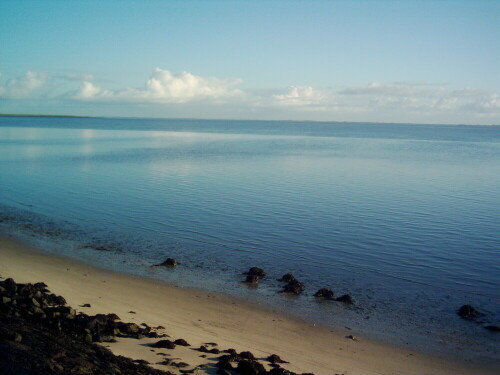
[403,217]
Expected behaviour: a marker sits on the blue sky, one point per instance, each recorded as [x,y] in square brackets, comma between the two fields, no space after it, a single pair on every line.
[393,61]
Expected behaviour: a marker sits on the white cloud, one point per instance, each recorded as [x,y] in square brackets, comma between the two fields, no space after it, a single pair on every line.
[88,90]
[23,87]
[376,101]
[166,87]
[300,96]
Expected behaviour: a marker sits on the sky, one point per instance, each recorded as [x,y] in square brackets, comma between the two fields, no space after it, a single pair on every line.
[371,61]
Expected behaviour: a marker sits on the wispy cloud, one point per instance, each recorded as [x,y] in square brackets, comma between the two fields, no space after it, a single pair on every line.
[395,89]
[422,98]
[487,104]
[24,86]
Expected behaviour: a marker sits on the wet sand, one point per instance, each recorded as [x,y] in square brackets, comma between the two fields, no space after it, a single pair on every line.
[200,317]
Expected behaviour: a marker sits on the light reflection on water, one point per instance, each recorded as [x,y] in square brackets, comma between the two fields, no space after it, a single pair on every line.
[406,221]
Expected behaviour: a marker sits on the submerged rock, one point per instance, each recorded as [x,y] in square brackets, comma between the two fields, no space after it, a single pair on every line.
[169,262]
[294,287]
[287,277]
[324,293]
[493,328]
[252,279]
[256,271]
[468,312]
[346,298]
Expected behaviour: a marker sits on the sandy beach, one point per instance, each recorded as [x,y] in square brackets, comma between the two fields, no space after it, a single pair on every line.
[200,317]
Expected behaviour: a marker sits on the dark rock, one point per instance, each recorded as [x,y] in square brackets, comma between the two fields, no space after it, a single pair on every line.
[252,279]
[280,371]
[223,372]
[287,278]
[164,344]
[141,361]
[169,262]
[346,298]
[273,358]
[52,299]
[256,271]
[105,247]
[468,312]
[247,355]
[204,349]
[181,342]
[294,287]
[113,317]
[493,328]
[231,357]
[180,364]
[224,364]
[249,367]
[86,305]
[324,293]
[39,334]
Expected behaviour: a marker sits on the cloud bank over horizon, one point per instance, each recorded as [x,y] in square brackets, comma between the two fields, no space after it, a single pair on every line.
[165,87]
[201,96]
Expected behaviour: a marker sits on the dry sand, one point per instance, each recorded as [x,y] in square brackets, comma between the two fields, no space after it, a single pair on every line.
[200,317]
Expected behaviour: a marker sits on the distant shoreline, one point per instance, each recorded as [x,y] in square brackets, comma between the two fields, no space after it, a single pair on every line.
[246,120]
[66,116]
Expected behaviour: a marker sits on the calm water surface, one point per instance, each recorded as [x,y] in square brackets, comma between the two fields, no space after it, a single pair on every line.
[404,217]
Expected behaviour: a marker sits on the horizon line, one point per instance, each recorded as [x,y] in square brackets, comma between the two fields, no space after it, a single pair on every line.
[231,119]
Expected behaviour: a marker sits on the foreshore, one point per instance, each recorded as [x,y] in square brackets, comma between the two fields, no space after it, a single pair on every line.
[200,317]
